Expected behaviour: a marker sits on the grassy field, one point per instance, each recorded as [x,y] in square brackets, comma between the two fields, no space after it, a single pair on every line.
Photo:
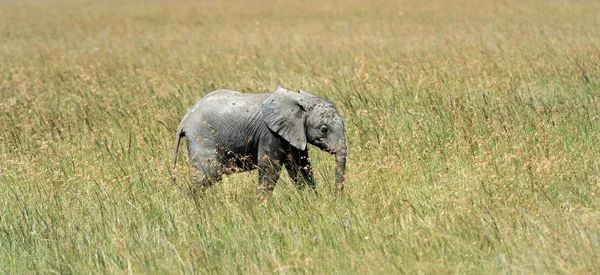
[473,133]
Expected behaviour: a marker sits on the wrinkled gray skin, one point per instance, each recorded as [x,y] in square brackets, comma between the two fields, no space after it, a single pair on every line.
[228,131]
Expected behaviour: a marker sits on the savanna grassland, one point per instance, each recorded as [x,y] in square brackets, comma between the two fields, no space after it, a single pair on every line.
[473,132]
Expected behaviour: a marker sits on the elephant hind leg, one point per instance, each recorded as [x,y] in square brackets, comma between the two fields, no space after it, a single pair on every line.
[202,177]
[205,169]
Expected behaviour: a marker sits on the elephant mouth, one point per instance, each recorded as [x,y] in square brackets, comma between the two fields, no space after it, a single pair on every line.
[333,150]
[325,146]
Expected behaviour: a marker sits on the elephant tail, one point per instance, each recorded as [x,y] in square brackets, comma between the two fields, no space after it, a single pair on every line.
[180,134]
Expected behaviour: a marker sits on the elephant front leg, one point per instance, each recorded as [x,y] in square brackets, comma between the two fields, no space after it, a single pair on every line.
[300,170]
[268,174]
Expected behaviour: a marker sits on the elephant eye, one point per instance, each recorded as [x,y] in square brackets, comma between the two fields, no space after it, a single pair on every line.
[324,129]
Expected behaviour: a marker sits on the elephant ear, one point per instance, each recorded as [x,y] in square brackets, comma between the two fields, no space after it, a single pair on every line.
[284,113]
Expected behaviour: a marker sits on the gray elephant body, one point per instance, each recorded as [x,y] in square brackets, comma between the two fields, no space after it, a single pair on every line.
[228,131]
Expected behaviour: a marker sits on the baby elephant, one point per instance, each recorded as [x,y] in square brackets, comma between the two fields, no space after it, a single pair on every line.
[228,131]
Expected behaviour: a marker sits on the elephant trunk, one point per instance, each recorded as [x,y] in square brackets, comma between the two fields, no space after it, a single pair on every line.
[340,167]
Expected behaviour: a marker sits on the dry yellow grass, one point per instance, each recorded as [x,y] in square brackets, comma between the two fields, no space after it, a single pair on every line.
[472,128]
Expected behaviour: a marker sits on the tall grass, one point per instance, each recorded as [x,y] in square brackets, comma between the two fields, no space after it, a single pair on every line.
[472,127]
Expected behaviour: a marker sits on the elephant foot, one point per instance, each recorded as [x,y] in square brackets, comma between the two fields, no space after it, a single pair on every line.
[265,192]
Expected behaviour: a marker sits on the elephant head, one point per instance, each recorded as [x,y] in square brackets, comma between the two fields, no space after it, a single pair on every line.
[299,117]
